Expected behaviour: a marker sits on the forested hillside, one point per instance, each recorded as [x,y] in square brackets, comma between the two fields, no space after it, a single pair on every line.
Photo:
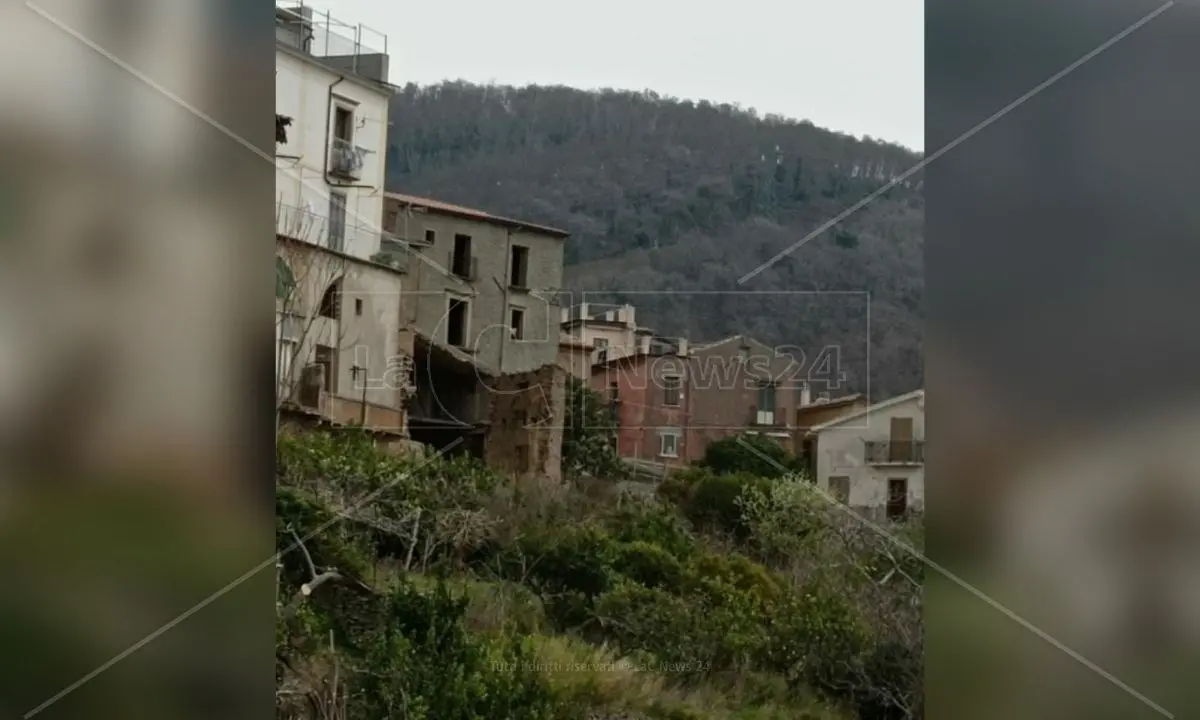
[669,203]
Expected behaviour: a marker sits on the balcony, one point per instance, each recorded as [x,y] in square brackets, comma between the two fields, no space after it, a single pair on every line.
[315,228]
[905,453]
[346,159]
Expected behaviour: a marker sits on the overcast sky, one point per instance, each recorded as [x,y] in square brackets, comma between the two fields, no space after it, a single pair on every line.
[856,66]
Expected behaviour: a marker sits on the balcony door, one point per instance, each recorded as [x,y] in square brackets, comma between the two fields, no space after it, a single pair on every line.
[900,445]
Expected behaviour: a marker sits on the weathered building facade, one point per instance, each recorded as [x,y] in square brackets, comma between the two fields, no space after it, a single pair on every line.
[611,330]
[484,284]
[342,352]
[480,300]
[330,166]
[740,384]
[874,459]
[647,393]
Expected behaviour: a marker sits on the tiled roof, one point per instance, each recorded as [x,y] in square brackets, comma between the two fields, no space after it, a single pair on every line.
[472,214]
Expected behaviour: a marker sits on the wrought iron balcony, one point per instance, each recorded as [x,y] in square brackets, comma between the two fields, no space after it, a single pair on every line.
[346,159]
[908,452]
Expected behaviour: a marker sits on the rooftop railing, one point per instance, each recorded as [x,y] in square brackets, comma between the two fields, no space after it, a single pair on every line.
[319,34]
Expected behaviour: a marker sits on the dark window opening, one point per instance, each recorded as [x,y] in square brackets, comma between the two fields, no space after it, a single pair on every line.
[331,301]
[766,397]
[839,488]
[460,263]
[516,324]
[765,404]
[337,221]
[519,267]
[343,124]
[897,504]
[671,386]
[456,323]
[358,307]
[614,392]
[430,237]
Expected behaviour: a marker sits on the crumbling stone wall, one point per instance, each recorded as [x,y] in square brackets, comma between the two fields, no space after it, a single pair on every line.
[527,412]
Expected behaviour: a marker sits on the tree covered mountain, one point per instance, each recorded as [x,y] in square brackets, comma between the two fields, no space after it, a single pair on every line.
[670,203]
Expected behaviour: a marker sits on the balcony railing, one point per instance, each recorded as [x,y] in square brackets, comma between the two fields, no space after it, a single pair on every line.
[312,227]
[346,159]
[907,452]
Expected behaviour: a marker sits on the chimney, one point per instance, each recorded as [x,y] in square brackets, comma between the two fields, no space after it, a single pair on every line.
[683,347]
[644,345]
[583,311]
[805,395]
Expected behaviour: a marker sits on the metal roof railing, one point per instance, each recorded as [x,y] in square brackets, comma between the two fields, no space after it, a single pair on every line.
[319,34]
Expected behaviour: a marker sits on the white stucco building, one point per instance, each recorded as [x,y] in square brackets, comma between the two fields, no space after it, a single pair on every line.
[329,178]
[343,349]
[875,458]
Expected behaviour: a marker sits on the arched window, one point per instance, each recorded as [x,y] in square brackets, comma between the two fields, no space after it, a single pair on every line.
[331,301]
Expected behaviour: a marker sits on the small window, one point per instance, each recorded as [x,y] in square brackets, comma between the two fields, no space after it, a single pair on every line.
[516,324]
[668,444]
[519,267]
[430,236]
[671,390]
[839,488]
[897,502]
[358,306]
[456,322]
[601,349]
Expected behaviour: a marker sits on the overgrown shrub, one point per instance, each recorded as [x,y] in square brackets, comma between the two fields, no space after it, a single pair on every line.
[677,487]
[655,523]
[750,453]
[647,564]
[713,502]
[424,664]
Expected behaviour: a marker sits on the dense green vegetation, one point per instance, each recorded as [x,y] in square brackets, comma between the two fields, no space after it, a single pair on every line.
[670,203]
[437,589]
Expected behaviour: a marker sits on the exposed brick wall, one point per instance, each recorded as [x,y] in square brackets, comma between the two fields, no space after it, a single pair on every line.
[527,414]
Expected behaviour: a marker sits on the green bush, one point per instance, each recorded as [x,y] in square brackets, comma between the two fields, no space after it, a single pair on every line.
[676,487]
[647,564]
[714,502]
[654,523]
[424,664]
[764,457]
[816,641]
